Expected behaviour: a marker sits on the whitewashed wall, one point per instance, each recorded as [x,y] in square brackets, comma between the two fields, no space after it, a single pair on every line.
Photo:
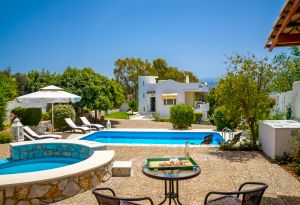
[289,98]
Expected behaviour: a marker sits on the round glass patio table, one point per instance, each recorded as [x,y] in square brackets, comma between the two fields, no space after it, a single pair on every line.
[171,178]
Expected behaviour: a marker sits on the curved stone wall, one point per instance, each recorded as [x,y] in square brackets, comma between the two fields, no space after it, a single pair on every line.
[56,184]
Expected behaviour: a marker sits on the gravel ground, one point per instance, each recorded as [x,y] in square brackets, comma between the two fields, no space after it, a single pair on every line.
[221,171]
[4,151]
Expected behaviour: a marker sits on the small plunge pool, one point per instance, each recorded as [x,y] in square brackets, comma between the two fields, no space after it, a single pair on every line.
[9,166]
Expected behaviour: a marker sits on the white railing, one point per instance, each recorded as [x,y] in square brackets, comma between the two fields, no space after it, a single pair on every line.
[229,131]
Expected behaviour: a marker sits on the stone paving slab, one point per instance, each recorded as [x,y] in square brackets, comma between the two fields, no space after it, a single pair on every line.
[221,171]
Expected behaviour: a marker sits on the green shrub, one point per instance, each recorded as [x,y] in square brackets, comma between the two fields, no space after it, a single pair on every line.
[297,169]
[28,116]
[244,146]
[155,116]
[288,112]
[5,137]
[19,112]
[296,141]
[2,115]
[198,117]
[46,116]
[221,120]
[277,116]
[182,116]
[133,105]
[61,112]
[284,159]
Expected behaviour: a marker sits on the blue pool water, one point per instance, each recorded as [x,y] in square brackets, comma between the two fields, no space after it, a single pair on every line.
[8,166]
[129,137]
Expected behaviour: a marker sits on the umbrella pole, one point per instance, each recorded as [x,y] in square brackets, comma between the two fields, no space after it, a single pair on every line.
[52,118]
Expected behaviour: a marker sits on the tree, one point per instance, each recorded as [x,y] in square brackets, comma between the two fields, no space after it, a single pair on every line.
[39,79]
[127,70]
[212,100]
[8,91]
[126,73]
[243,91]
[287,70]
[133,105]
[97,91]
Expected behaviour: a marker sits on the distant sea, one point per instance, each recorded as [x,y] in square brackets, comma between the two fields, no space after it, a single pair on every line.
[212,82]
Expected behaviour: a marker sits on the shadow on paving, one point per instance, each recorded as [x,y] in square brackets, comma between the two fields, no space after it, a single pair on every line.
[114,123]
[289,200]
[236,156]
[269,201]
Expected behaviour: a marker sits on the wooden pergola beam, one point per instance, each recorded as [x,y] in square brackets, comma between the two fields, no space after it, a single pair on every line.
[287,19]
[288,38]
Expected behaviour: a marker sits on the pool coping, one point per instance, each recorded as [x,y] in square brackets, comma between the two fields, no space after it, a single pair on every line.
[152,130]
[101,157]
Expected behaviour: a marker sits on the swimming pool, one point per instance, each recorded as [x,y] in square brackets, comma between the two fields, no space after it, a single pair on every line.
[147,137]
[9,166]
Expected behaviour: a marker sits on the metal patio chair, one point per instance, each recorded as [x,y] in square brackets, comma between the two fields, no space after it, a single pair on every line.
[112,199]
[240,197]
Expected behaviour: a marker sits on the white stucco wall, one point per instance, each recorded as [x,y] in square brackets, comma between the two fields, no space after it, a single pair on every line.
[275,136]
[289,98]
[267,139]
[145,83]
[148,83]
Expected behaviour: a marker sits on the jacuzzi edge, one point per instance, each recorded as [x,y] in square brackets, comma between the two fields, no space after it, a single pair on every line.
[102,157]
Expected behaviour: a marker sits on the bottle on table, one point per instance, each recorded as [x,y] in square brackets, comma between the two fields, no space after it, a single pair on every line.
[187,150]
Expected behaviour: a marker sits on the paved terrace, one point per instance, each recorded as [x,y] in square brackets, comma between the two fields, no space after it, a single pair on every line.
[220,171]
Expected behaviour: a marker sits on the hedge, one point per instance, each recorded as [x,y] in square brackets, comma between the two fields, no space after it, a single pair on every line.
[28,116]
[61,112]
[182,116]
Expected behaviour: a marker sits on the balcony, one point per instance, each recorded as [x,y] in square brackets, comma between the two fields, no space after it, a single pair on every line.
[201,106]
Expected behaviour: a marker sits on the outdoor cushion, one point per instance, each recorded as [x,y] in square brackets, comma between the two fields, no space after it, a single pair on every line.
[226,200]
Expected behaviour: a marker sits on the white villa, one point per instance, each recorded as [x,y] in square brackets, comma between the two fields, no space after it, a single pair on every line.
[159,95]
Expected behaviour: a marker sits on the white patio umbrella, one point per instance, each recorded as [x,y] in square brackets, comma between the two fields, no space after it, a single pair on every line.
[50,94]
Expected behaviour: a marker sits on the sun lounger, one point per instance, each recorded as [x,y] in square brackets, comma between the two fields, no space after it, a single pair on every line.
[207,139]
[74,127]
[27,137]
[88,124]
[31,134]
[236,138]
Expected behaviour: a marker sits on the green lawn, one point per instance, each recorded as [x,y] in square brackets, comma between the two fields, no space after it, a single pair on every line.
[118,115]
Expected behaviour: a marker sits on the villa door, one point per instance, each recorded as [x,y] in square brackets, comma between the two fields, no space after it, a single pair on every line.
[152,104]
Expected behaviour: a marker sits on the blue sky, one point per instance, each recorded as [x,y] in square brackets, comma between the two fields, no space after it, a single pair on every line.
[193,35]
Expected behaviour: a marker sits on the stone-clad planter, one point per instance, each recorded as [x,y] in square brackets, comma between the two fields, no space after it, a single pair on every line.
[56,184]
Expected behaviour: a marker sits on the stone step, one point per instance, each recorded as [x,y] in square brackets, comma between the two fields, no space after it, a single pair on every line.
[121,168]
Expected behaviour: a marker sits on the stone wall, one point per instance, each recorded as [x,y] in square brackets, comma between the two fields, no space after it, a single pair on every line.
[54,190]
[50,149]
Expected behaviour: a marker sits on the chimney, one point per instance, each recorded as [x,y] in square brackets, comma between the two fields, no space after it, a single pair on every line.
[187,79]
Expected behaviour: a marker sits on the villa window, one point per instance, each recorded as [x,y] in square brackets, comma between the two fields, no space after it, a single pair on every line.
[143,83]
[143,95]
[170,101]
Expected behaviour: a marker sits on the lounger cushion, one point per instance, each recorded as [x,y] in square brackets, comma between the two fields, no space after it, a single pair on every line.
[228,200]
[50,136]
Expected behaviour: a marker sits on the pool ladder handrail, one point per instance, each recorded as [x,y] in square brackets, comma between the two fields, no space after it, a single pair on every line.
[227,130]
